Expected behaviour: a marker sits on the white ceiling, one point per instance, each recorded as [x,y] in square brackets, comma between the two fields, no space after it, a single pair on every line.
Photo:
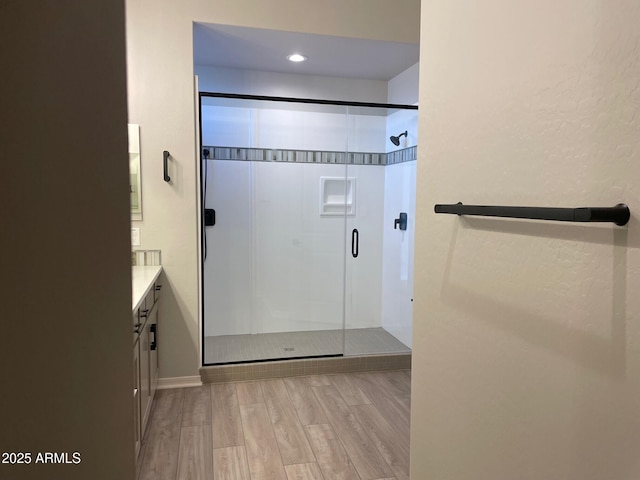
[267,50]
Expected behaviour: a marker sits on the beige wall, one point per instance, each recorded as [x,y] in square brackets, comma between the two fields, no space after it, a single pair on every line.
[527,334]
[65,315]
[161,100]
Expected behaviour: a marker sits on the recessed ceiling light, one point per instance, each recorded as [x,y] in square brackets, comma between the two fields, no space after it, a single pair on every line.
[296,57]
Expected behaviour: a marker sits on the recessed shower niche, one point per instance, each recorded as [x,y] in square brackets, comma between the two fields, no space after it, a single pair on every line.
[337,196]
[303,260]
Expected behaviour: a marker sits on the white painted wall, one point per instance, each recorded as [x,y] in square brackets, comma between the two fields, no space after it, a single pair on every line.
[403,88]
[161,99]
[65,344]
[526,362]
[274,84]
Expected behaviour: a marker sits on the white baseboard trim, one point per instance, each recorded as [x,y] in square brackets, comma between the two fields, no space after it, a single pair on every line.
[179,382]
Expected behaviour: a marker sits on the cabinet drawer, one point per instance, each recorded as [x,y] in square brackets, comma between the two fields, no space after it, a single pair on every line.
[147,304]
[150,298]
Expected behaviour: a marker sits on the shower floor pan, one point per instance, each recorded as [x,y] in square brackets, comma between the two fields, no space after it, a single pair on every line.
[287,345]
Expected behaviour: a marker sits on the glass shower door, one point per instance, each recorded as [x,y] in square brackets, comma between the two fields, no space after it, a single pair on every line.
[298,261]
[273,276]
[379,272]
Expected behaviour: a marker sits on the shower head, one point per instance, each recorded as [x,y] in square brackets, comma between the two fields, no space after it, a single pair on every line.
[396,140]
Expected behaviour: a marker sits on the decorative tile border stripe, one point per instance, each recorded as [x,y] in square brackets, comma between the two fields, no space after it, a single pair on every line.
[310,366]
[401,156]
[311,156]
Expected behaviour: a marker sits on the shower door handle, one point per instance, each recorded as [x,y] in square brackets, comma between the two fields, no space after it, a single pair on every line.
[355,242]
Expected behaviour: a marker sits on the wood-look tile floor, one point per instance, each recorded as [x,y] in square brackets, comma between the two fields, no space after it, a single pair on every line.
[322,427]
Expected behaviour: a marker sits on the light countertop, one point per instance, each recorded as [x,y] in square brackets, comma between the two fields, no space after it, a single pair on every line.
[142,279]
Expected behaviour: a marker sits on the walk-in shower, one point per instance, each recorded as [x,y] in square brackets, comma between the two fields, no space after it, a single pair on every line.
[304,257]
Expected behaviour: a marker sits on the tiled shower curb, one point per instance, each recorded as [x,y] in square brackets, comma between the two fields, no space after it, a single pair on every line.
[310,366]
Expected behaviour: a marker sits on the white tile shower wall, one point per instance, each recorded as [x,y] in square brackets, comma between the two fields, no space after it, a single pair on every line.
[298,263]
[403,89]
[228,126]
[227,267]
[291,129]
[364,132]
[399,122]
[283,128]
[281,268]
[397,256]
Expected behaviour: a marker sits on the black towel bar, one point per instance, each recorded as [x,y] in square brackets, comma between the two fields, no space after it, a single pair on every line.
[619,214]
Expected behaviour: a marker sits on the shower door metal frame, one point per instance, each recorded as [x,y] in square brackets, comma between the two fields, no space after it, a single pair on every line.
[202,240]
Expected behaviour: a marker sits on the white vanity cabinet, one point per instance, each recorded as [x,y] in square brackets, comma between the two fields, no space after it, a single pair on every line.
[146,294]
